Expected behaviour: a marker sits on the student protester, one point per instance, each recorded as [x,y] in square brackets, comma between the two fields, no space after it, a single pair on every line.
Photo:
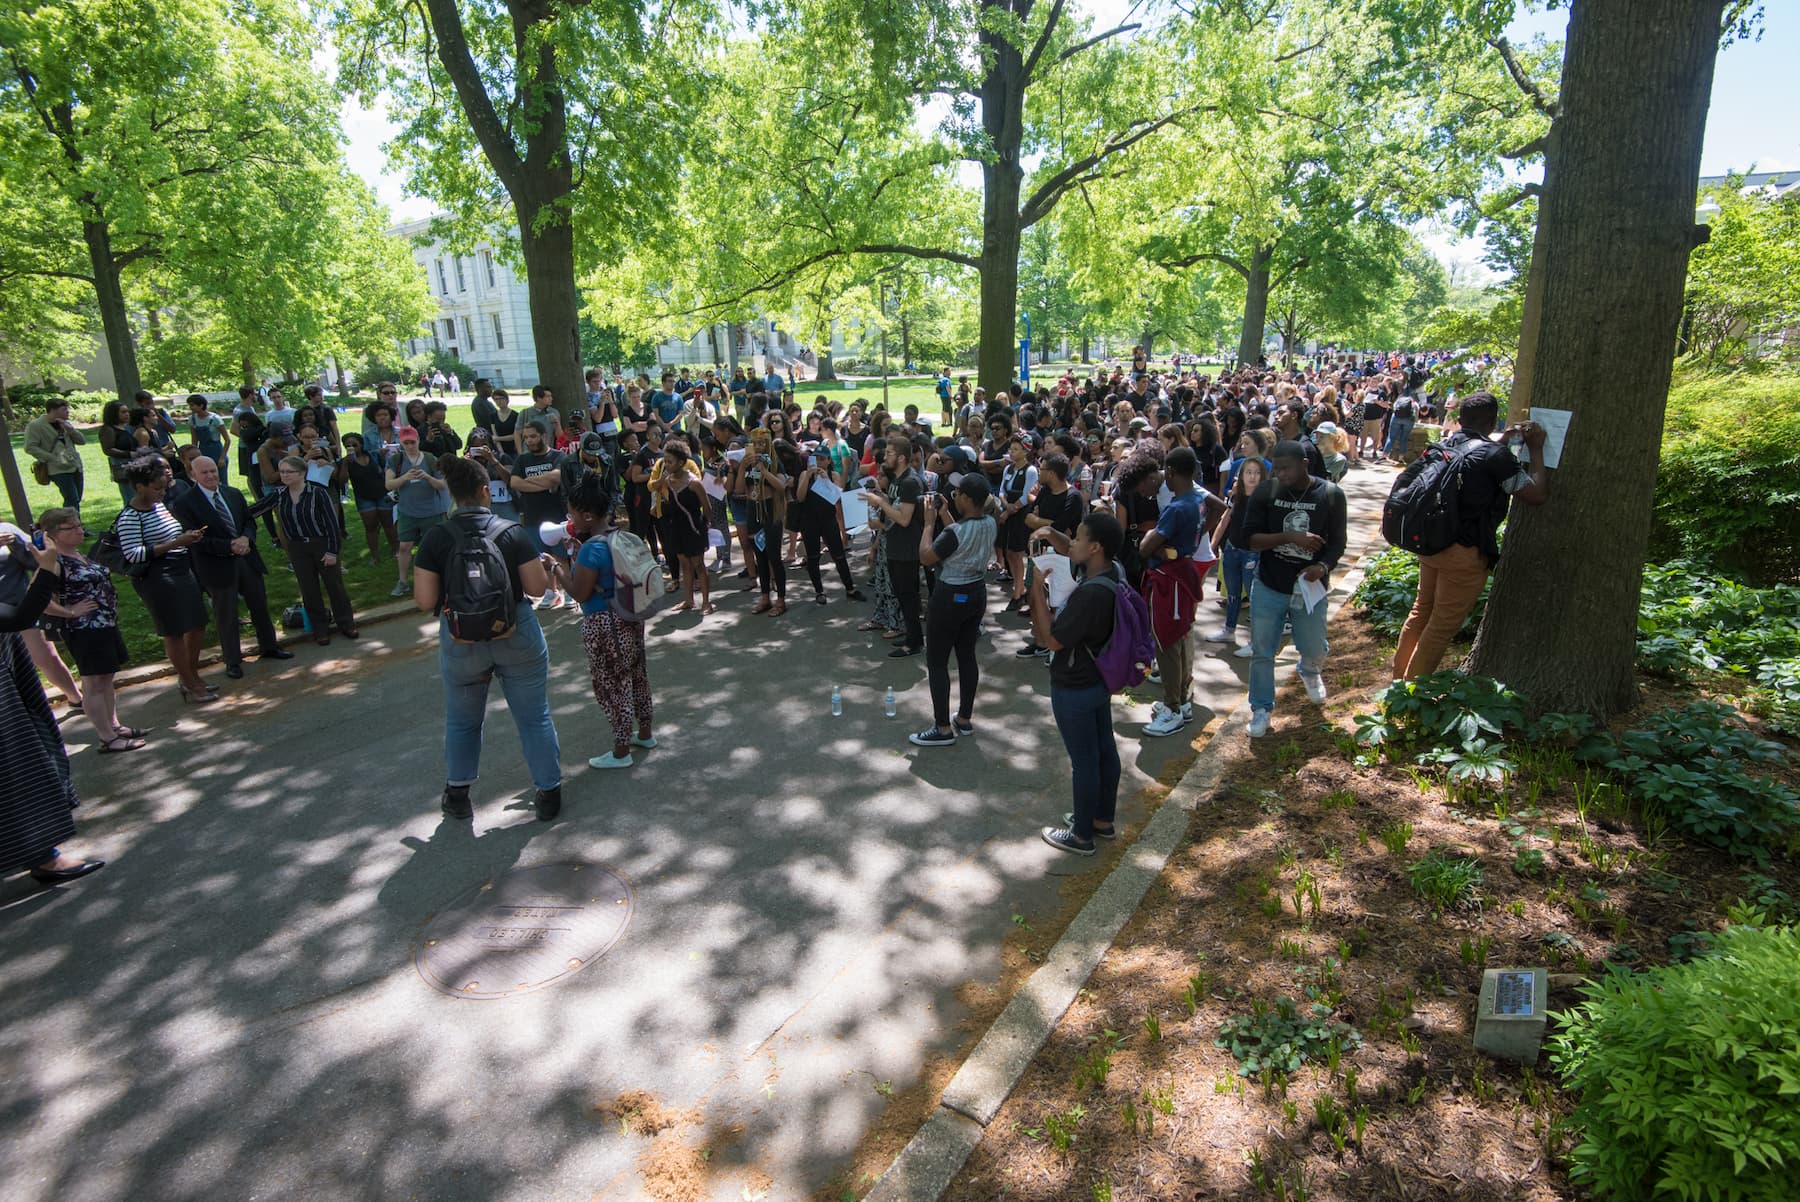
[368,488]
[819,524]
[150,536]
[86,609]
[1238,561]
[420,496]
[617,664]
[437,438]
[51,441]
[1017,491]
[1450,581]
[1079,699]
[900,540]
[227,564]
[1173,554]
[1401,420]
[324,418]
[1297,525]
[766,483]
[482,410]
[206,430]
[521,660]
[311,523]
[505,426]
[960,553]
[1289,420]
[499,470]
[118,442]
[684,503]
[537,490]
[543,410]
[1053,520]
[640,513]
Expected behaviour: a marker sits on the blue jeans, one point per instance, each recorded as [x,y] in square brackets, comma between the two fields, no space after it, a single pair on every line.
[1239,568]
[1399,435]
[1267,610]
[69,484]
[1084,719]
[522,663]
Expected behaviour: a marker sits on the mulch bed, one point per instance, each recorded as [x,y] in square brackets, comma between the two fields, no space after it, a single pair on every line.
[1171,1117]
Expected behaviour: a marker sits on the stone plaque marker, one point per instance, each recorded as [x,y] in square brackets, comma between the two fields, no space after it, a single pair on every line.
[525,929]
[1509,1018]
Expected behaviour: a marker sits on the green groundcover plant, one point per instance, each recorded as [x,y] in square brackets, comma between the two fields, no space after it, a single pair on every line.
[1689,1075]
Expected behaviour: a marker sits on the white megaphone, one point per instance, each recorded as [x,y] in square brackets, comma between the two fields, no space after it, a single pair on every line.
[552,534]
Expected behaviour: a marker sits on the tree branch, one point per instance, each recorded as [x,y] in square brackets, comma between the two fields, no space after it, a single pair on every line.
[777,277]
[1513,199]
[1190,260]
[1072,51]
[1527,85]
[1537,145]
[1300,53]
[1044,198]
[459,64]
[1043,40]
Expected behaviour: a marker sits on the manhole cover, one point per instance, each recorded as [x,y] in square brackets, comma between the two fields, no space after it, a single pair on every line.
[526,929]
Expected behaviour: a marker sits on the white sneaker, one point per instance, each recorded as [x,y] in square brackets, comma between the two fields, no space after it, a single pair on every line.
[1222,636]
[1259,723]
[1187,712]
[547,601]
[1245,652]
[1315,687]
[1165,723]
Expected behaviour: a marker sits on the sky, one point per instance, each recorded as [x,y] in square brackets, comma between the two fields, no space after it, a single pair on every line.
[1754,84]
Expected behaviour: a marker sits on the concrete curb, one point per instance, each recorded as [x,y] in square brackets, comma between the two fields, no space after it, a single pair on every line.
[931,1160]
[146,673]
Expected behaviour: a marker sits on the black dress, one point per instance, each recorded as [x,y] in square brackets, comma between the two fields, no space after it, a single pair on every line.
[37,796]
[686,522]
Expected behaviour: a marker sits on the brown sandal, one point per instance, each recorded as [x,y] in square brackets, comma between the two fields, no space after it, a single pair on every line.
[762,607]
[779,609]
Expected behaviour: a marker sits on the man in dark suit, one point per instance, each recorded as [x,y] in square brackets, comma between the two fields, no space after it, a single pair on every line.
[227,563]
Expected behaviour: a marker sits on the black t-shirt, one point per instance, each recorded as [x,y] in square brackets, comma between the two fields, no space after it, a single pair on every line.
[1064,510]
[485,413]
[539,507]
[1212,461]
[436,546]
[902,542]
[368,481]
[1082,627]
[1318,509]
[637,495]
[1490,475]
[503,427]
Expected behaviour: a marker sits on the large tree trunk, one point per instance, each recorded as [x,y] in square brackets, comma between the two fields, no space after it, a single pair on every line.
[1086,349]
[248,367]
[1620,182]
[827,365]
[549,255]
[1002,175]
[1256,307]
[1530,319]
[1147,339]
[115,320]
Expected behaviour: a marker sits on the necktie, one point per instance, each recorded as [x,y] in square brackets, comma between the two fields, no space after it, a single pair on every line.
[225,512]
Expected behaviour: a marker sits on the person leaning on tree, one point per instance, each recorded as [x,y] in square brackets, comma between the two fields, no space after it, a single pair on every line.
[52,441]
[1450,581]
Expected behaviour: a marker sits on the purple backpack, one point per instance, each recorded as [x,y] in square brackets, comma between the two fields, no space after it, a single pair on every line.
[1131,649]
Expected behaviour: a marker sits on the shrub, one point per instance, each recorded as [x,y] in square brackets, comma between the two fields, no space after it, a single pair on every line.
[1688,620]
[1728,488]
[1688,1074]
[1442,709]
[1688,766]
[1389,584]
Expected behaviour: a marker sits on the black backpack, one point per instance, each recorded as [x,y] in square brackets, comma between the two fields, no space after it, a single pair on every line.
[478,601]
[1422,514]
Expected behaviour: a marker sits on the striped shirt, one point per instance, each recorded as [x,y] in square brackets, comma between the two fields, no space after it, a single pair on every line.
[314,516]
[141,529]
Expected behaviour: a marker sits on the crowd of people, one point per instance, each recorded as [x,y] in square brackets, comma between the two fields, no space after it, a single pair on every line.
[1131,485]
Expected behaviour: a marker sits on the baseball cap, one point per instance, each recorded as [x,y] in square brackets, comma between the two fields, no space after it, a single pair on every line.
[592,444]
[975,487]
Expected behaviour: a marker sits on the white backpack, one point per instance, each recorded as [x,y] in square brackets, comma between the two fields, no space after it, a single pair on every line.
[634,576]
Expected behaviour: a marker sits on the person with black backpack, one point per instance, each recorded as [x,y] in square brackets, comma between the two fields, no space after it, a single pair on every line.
[475,571]
[1447,508]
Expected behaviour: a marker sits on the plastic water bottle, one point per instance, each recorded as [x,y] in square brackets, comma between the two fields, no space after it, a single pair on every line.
[837,702]
[889,702]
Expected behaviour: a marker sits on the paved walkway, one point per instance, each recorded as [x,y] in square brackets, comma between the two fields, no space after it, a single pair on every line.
[230,1010]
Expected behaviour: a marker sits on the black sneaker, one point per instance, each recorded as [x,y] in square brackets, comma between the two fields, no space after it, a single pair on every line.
[902,651]
[1110,833]
[1027,651]
[819,599]
[456,802]
[548,803]
[1063,839]
[931,736]
[962,726]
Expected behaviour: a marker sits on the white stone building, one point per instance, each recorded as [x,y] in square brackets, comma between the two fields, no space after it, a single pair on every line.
[483,318]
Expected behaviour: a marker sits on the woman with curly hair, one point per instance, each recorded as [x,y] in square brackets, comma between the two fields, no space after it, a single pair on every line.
[1135,486]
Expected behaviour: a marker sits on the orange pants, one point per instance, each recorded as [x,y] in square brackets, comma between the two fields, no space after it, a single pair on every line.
[1449,585]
